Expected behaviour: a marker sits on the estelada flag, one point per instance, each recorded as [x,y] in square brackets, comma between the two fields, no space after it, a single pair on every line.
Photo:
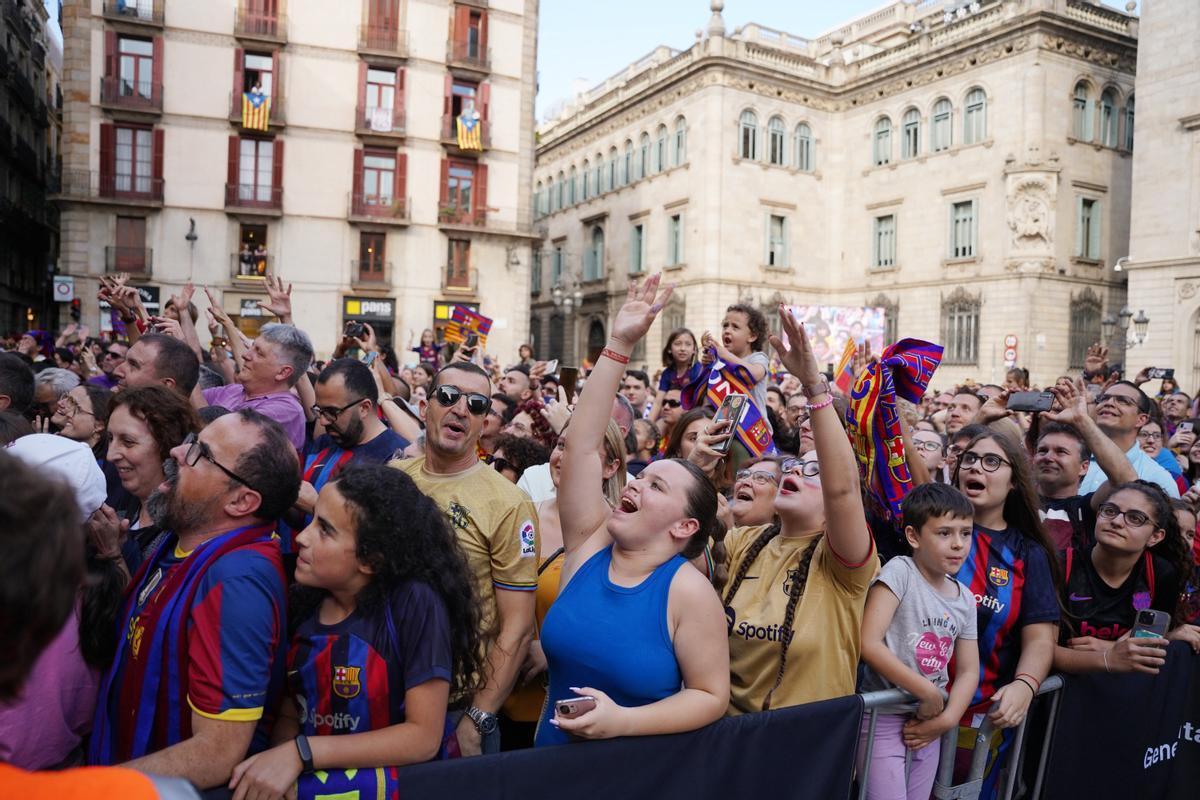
[256,111]
[463,320]
[843,377]
[469,130]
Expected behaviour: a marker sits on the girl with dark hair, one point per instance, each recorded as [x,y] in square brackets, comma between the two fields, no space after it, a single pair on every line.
[429,351]
[1117,575]
[1014,575]
[680,367]
[794,630]
[384,634]
[1188,610]
[632,624]
[682,437]
[82,415]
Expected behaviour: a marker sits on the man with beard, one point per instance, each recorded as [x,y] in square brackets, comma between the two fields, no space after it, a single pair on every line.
[201,645]
[347,398]
[495,524]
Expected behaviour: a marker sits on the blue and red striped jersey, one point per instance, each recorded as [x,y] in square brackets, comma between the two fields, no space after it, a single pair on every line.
[1009,574]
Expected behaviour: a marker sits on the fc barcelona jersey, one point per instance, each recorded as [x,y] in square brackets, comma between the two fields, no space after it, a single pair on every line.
[351,677]
[1009,574]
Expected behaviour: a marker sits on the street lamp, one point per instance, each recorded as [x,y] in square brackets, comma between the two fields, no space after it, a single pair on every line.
[1108,326]
[1140,323]
[567,295]
[1115,327]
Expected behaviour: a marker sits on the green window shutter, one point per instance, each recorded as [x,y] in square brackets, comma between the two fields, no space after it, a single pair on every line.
[1079,243]
[1094,230]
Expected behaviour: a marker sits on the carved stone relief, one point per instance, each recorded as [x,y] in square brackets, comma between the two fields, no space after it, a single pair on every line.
[1030,215]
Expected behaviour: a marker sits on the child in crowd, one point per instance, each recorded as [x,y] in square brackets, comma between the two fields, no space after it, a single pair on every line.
[384,634]
[743,337]
[680,367]
[916,617]
[429,351]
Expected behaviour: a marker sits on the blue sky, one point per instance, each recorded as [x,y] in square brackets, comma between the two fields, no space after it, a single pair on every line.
[586,42]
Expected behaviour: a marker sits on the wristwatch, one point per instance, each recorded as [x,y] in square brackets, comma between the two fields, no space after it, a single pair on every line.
[305,752]
[485,721]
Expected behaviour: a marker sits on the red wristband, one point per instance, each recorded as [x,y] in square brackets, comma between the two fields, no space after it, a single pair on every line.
[1036,683]
[614,355]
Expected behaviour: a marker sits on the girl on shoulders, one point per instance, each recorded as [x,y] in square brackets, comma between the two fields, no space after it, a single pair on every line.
[680,367]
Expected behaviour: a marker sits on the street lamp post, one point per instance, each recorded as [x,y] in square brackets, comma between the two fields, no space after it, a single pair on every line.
[1114,328]
[568,296]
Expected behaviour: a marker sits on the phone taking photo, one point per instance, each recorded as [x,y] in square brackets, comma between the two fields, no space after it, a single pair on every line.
[471,340]
[1030,401]
[567,378]
[1161,373]
[731,411]
[551,366]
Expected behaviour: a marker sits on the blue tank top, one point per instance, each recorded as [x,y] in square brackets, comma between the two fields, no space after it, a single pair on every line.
[611,637]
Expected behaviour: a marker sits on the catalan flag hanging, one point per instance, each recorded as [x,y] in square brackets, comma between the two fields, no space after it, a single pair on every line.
[464,320]
[256,111]
[843,376]
[470,130]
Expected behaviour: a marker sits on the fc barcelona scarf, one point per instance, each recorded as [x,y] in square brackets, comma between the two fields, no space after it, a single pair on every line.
[722,379]
[904,370]
[151,699]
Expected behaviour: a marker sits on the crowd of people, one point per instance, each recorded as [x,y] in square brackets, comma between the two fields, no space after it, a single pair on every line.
[235,568]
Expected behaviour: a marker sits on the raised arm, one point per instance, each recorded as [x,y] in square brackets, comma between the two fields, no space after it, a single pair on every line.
[845,521]
[1074,412]
[583,453]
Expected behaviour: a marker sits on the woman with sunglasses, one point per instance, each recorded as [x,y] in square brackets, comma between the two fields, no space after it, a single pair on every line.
[1014,575]
[1113,578]
[794,629]
[635,641]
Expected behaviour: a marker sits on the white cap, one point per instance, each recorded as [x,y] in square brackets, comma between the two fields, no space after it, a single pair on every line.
[72,461]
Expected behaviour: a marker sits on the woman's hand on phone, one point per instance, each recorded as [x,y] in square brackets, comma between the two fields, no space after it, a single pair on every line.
[1143,654]
[708,452]
[605,721]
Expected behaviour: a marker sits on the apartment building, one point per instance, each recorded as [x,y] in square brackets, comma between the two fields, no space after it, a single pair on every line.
[964,166]
[223,141]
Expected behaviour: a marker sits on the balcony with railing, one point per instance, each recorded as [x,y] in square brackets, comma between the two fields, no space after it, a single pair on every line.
[462,217]
[450,135]
[370,274]
[459,280]
[383,41]
[250,198]
[475,3]
[468,56]
[251,269]
[276,116]
[259,26]
[134,190]
[135,12]
[370,208]
[137,261]
[383,121]
[119,93]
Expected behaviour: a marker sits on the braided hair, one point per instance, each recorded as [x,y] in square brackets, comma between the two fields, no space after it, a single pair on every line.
[795,592]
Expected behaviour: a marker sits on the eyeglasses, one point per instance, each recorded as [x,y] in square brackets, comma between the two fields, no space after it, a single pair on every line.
[330,413]
[198,449]
[1121,399]
[112,355]
[671,403]
[1133,517]
[1150,435]
[809,469]
[477,404]
[928,446]
[759,477]
[989,462]
[501,464]
[70,408]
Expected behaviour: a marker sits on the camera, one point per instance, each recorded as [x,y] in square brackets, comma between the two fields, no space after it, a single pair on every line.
[354,330]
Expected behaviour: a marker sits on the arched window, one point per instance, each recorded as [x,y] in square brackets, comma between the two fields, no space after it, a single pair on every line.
[593,258]
[748,136]
[776,135]
[610,178]
[562,191]
[680,148]
[1129,123]
[643,162]
[660,149]
[551,196]
[585,175]
[910,146]
[882,149]
[975,117]
[943,134]
[804,148]
[598,176]
[539,198]
[1082,112]
[596,339]
[572,183]
[1108,118]
[627,163]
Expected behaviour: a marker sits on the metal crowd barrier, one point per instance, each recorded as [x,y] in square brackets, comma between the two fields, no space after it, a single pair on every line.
[944,787]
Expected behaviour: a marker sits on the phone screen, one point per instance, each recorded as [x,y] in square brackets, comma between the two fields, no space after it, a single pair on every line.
[568,377]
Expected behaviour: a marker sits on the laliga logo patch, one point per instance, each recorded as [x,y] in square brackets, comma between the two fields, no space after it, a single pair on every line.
[345,681]
[528,539]
[998,576]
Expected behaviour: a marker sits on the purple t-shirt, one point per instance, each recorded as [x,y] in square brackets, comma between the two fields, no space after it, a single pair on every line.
[104,381]
[283,407]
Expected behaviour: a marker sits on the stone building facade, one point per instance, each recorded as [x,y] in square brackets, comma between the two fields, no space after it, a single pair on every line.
[359,192]
[1164,242]
[965,167]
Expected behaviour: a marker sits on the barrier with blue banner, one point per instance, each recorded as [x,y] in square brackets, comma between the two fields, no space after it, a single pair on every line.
[801,752]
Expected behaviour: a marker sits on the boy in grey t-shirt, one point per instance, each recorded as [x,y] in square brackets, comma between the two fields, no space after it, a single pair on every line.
[916,618]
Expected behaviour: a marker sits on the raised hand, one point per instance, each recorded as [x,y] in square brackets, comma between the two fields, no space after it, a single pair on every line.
[1070,403]
[279,299]
[995,408]
[1096,359]
[797,355]
[642,305]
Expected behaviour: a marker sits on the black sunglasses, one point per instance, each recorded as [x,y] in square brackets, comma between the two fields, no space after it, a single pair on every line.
[501,464]
[671,404]
[198,450]
[477,404]
[331,412]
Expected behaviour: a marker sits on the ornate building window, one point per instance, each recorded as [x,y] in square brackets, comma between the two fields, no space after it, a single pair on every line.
[660,149]
[911,144]
[964,229]
[611,177]
[1108,119]
[1129,124]
[748,136]
[804,147]
[776,136]
[891,317]
[960,328]
[943,133]
[883,242]
[1084,327]
[882,142]
[1081,112]
[572,185]
[627,163]
[561,199]
[975,117]
[680,154]
[585,179]
[593,257]
[1087,228]
[643,161]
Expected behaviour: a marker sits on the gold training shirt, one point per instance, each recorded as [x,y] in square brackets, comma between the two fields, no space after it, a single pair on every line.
[495,522]
[826,629]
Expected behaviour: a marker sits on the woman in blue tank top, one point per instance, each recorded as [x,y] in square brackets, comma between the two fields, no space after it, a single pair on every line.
[634,625]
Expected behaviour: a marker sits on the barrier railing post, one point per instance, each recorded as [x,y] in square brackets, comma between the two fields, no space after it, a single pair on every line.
[866,759]
[1054,684]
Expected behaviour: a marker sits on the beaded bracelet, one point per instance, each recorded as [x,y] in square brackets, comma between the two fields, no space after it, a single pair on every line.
[828,401]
